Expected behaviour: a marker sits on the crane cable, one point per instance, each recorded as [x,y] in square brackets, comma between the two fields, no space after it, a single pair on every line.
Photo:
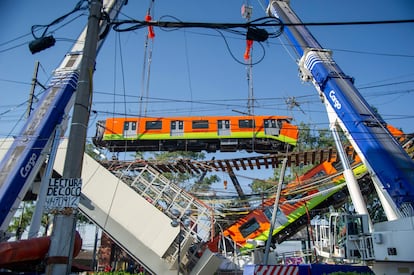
[146,68]
[246,11]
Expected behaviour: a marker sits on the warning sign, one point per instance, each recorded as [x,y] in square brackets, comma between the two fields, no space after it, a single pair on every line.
[63,193]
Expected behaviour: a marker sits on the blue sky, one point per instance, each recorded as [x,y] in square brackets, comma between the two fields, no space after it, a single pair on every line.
[192,71]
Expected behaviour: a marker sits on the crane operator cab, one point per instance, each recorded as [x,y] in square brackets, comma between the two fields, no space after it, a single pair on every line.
[344,237]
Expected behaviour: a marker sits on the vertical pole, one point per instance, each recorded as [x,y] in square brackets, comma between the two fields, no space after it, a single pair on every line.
[34,82]
[351,182]
[95,248]
[308,246]
[237,185]
[61,248]
[37,215]
[179,250]
[274,214]
[19,230]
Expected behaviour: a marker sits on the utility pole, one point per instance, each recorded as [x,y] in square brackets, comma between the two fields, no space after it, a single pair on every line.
[59,260]
[274,213]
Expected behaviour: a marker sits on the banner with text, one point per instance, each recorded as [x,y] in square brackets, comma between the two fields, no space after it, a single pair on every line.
[63,194]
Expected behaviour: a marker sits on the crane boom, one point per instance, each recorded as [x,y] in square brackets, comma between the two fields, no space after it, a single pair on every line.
[391,167]
[29,150]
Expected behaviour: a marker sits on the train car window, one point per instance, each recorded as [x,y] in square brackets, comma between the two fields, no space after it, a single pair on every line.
[223,127]
[272,127]
[177,128]
[270,123]
[246,123]
[249,227]
[268,213]
[130,125]
[153,125]
[223,124]
[177,125]
[130,129]
[200,124]
[319,174]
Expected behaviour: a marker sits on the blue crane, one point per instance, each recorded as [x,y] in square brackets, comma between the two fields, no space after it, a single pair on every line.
[391,168]
[30,148]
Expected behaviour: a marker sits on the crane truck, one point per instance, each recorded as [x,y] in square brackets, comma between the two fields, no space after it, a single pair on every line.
[390,167]
[30,148]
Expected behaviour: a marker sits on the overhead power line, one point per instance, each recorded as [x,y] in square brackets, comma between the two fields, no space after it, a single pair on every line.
[260,22]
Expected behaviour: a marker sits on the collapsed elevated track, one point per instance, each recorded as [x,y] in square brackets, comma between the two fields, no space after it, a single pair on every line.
[272,161]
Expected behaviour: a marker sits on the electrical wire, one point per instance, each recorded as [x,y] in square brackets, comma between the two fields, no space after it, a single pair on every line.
[260,22]
[236,59]
[252,26]
[78,7]
[231,27]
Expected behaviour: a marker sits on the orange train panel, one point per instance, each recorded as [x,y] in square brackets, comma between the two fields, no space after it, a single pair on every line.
[115,125]
[262,134]
[323,169]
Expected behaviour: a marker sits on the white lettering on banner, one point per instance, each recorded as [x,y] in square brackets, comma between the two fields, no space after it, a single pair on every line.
[25,170]
[63,193]
[335,100]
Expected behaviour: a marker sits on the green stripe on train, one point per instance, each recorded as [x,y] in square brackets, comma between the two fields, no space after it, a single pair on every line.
[292,217]
[282,138]
[300,211]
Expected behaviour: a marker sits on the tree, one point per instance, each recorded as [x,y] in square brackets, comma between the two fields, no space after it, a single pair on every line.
[261,186]
[204,184]
[305,139]
[313,139]
[324,139]
[21,221]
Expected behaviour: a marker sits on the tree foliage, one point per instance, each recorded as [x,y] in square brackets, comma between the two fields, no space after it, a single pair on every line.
[313,139]
[261,186]
[21,221]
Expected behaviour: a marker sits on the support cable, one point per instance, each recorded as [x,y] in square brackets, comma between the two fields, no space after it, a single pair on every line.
[146,67]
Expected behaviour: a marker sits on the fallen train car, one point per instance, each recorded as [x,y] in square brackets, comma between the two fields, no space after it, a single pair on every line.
[320,187]
[321,184]
[262,134]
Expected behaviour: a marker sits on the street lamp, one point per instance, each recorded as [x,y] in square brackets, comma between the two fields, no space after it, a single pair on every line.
[180,219]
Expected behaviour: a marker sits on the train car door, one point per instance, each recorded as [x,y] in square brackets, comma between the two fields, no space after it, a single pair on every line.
[130,129]
[272,127]
[177,128]
[223,128]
